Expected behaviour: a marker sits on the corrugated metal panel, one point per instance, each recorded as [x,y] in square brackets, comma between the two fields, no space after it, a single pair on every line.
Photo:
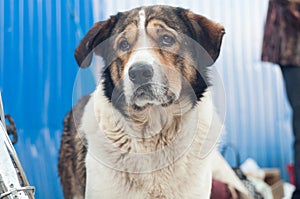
[37,72]
[258,114]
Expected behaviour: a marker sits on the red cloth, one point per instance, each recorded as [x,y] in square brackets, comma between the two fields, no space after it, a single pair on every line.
[219,190]
[290,169]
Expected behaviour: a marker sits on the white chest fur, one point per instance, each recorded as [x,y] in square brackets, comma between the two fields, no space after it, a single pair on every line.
[112,173]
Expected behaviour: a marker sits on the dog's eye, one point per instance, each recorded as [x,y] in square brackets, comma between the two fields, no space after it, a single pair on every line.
[124,45]
[166,40]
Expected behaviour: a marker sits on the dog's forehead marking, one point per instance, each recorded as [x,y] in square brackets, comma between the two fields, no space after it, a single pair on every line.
[142,19]
[142,39]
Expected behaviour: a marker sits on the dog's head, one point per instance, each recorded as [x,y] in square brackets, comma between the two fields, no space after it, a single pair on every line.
[154,55]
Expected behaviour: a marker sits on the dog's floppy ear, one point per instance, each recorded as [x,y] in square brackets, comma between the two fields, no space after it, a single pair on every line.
[206,32]
[97,34]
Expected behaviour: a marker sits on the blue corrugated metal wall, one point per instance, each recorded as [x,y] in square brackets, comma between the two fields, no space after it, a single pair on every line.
[37,72]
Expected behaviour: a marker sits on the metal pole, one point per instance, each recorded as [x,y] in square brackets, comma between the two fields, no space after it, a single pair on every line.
[13,181]
[2,116]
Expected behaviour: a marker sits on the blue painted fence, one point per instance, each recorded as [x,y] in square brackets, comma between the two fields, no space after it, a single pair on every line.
[37,73]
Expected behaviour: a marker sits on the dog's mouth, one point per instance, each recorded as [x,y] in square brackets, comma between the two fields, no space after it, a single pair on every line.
[152,94]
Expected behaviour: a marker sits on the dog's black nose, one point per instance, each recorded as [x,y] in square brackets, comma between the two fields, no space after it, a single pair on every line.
[140,73]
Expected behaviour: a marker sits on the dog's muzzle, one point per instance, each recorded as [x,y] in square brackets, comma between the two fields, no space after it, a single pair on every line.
[148,89]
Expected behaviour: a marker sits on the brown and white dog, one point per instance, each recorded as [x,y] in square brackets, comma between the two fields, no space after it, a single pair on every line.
[140,134]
